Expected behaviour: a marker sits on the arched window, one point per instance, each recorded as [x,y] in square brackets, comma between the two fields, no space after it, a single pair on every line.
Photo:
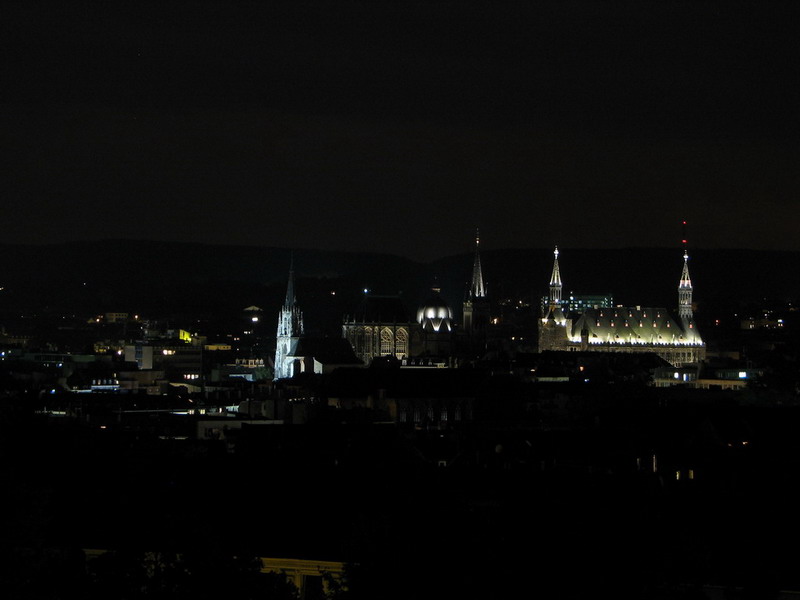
[401,342]
[387,341]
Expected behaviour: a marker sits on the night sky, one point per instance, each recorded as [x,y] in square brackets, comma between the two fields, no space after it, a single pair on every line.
[399,127]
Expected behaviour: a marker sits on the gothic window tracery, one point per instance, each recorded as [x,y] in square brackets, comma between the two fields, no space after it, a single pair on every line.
[401,342]
[387,342]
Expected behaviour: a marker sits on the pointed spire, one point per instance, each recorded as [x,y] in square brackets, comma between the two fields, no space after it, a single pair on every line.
[686,281]
[478,289]
[290,327]
[685,285]
[555,282]
[555,278]
[290,321]
[290,299]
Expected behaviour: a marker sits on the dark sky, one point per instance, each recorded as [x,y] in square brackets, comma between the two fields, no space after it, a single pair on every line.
[401,126]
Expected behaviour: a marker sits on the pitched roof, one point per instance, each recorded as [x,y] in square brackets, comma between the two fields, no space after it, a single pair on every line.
[634,325]
[382,309]
[328,351]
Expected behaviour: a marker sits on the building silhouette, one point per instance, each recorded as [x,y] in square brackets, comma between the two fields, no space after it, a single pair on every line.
[475,310]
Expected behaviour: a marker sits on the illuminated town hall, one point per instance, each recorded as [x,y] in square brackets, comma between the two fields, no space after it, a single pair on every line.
[623,329]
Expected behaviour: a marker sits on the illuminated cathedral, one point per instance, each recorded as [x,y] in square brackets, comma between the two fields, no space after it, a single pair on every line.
[290,329]
[381,326]
[674,337]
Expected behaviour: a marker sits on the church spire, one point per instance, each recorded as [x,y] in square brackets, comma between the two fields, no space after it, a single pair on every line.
[478,289]
[555,282]
[685,285]
[290,299]
[290,328]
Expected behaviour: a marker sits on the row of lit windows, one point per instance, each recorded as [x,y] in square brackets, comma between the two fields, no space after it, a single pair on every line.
[430,413]
[626,324]
[630,314]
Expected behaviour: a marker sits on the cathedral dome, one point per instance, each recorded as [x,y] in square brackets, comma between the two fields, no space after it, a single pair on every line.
[435,314]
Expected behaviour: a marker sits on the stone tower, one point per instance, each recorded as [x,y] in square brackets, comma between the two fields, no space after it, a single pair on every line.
[290,328]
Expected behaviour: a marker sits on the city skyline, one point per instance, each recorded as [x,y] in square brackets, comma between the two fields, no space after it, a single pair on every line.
[399,129]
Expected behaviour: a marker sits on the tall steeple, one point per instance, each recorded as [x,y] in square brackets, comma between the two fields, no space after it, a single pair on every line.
[685,285]
[555,283]
[290,299]
[477,289]
[476,313]
[290,328]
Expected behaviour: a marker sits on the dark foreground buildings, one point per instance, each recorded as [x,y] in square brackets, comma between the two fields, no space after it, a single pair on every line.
[567,473]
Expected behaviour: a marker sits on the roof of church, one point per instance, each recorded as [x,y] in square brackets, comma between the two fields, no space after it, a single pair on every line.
[328,351]
[435,312]
[634,325]
[381,309]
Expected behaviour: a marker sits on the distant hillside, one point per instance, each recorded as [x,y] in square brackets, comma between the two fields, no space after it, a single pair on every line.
[203,278]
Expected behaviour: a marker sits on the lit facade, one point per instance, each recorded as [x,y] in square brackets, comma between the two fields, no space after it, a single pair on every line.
[380,327]
[290,328]
[624,329]
[434,332]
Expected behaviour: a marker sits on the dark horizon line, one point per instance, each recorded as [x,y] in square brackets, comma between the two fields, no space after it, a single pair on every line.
[467,250]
